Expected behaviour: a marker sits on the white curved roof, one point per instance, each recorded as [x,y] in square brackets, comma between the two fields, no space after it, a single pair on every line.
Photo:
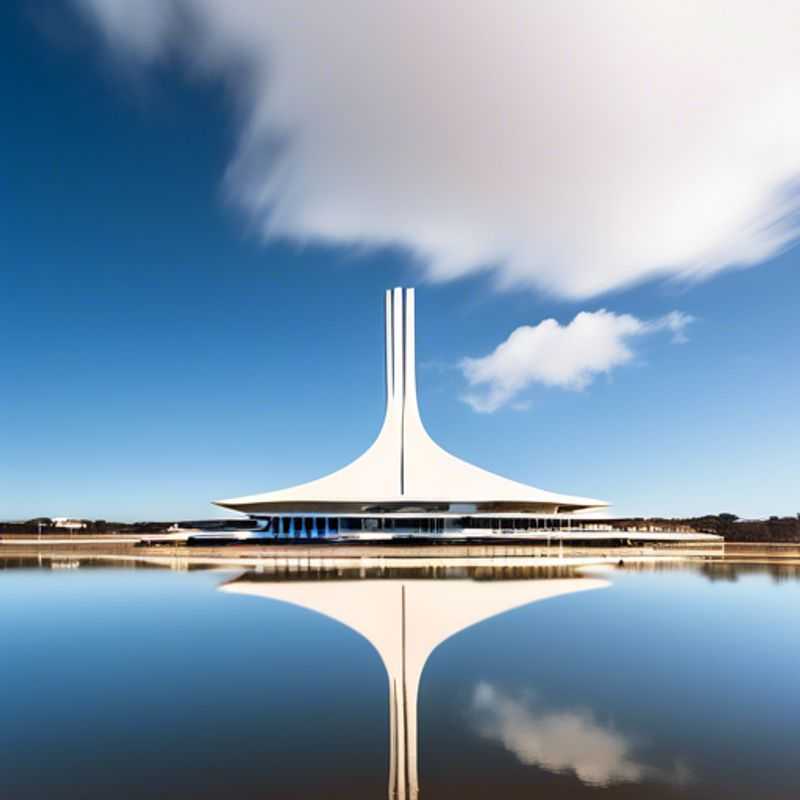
[404,465]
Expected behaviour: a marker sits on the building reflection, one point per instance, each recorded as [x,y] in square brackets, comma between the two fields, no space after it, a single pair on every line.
[405,614]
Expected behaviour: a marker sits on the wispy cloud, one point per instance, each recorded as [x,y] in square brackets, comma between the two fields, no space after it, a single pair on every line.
[564,741]
[563,356]
[572,149]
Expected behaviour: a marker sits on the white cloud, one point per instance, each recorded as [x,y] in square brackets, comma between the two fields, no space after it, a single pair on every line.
[564,741]
[574,148]
[562,356]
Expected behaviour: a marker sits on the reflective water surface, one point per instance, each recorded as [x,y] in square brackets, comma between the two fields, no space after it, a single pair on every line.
[675,681]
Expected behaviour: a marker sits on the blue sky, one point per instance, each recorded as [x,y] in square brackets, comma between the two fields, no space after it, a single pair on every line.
[158,352]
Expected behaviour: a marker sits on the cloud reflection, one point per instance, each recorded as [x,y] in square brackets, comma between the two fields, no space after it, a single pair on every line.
[565,741]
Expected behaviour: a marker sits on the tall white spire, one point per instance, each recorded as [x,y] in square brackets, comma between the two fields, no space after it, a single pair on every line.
[401,381]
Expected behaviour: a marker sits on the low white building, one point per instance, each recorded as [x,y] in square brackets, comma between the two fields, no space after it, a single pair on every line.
[69,524]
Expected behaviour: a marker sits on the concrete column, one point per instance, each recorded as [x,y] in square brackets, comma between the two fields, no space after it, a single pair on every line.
[389,348]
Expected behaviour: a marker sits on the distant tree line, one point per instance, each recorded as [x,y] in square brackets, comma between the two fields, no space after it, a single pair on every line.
[774,529]
[46,525]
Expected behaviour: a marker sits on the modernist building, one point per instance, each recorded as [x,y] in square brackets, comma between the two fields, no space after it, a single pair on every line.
[406,485]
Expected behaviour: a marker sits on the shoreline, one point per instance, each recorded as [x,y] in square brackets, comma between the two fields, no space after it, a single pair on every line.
[302,556]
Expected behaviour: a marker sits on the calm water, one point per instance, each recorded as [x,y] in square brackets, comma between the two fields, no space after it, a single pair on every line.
[136,682]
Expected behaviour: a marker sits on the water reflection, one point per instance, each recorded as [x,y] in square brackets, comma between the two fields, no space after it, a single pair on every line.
[406,615]
[560,741]
[730,570]
[182,685]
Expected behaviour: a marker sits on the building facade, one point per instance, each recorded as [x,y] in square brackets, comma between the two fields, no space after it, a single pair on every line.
[406,485]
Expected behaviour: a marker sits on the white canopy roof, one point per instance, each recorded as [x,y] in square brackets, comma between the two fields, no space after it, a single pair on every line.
[404,467]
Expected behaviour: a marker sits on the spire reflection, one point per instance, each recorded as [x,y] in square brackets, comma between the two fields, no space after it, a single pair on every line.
[406,614]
